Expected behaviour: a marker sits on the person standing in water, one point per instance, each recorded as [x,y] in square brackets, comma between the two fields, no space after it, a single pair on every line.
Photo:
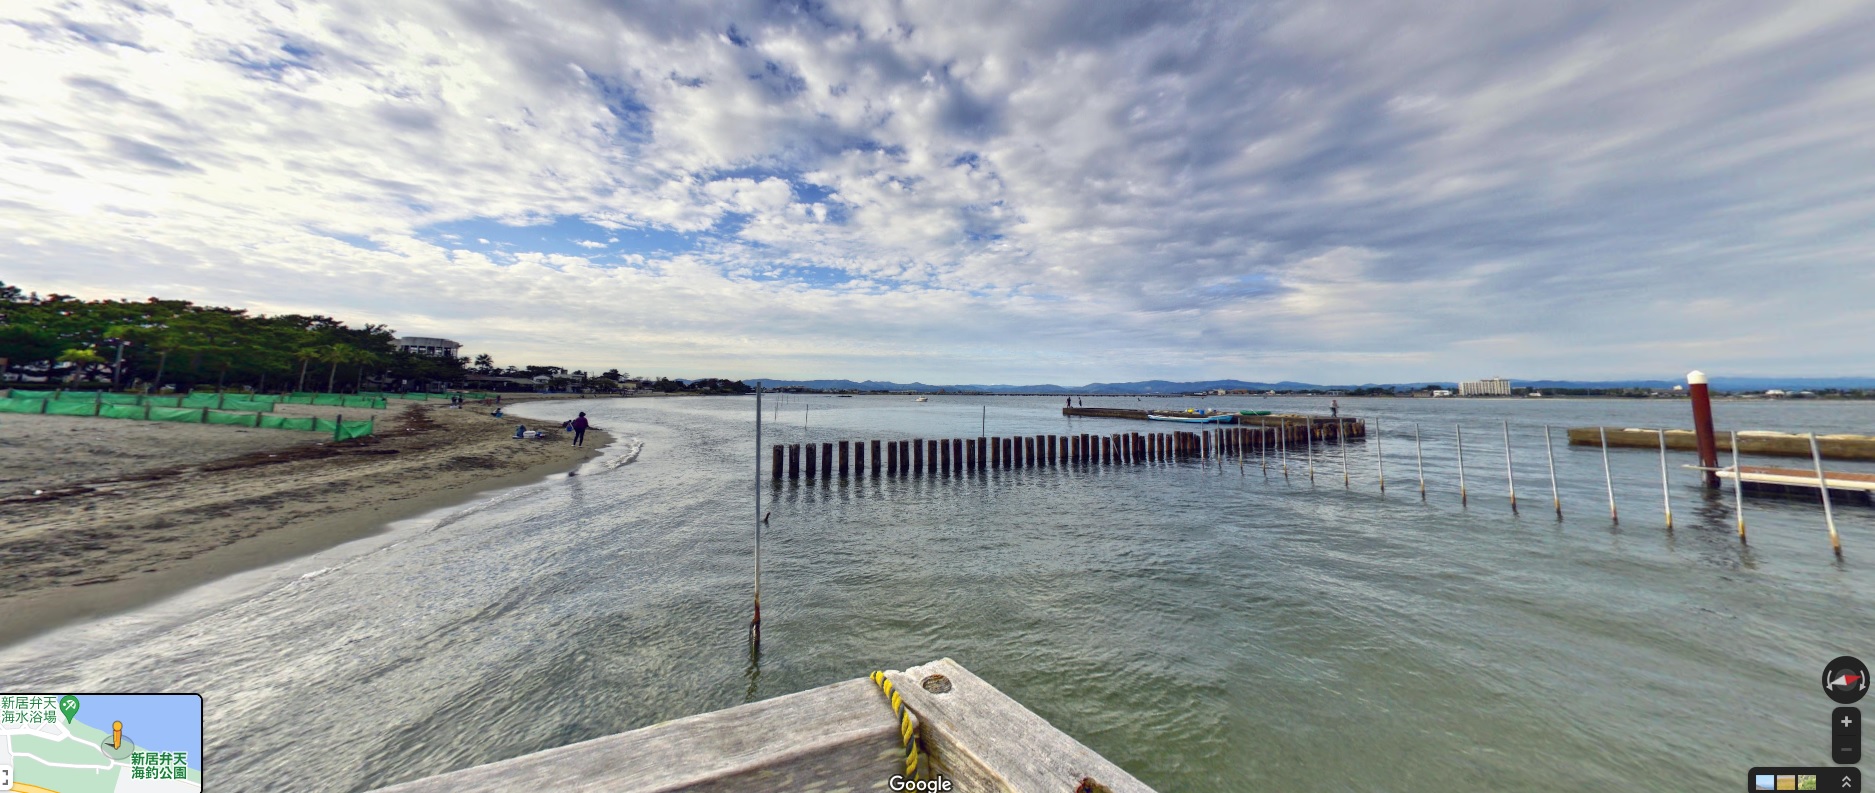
[579,429]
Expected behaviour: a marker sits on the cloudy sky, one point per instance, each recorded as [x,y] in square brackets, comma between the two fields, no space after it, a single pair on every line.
[972,192]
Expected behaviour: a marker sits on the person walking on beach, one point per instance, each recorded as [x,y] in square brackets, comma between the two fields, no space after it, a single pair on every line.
[579,429]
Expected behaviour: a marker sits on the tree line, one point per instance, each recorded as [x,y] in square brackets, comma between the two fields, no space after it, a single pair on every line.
[156,343]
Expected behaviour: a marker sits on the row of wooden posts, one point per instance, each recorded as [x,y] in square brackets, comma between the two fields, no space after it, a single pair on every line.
[952,456]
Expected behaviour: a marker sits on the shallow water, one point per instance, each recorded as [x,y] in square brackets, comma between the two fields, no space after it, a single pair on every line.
[1208,629]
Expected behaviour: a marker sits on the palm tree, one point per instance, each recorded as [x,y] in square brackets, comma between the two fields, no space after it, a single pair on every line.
[336,354]
[305,355]
[484,363]
[364,358]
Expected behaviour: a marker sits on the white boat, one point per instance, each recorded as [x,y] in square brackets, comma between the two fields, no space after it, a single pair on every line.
[923,399]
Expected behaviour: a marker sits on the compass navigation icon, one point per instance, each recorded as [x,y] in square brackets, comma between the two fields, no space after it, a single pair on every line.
[1845,680]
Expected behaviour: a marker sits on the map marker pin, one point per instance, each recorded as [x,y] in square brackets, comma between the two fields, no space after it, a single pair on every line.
[69,704]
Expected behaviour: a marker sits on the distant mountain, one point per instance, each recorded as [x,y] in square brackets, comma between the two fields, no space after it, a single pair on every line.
[1145,387]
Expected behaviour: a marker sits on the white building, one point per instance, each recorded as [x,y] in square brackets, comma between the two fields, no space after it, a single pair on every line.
[423,345]
[1490,386]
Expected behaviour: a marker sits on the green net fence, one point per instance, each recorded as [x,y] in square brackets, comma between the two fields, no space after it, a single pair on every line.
[251,414]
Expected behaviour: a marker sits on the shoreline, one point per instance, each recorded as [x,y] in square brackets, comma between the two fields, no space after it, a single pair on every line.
[109,547]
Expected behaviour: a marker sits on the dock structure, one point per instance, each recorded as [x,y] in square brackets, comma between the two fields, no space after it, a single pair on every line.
[1772,444]
[1799,481]
[843,736]
[1326,427]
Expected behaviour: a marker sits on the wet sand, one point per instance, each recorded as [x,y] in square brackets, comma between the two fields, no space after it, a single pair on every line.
[98,516]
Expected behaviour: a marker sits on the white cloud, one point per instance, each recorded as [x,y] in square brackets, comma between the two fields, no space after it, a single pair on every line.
[969,192]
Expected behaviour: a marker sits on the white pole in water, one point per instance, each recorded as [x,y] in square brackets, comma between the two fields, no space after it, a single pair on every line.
[1380,457]
[1342,445]
[1263,449]
[1738,489]
[1311,433]
[1461,463]
[1609,476]
[1419,456]
[1282,446]
[1509,474]
[804,414]
[755,625]
[983,428]
[1666,497]
[1549,451]
[1822,484]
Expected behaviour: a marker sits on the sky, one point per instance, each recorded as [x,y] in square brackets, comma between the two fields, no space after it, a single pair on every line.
[972,192]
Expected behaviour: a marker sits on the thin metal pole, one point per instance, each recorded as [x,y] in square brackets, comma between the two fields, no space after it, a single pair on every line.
[1419,457]
[1822,484]
[1282,441]
[1608,476]
[755,624]
[804,414]
[1461,464]
[1738,489]
[1666,497]
[1380,457]
[1509,474]
[1549,451]
[1342,444]
[1263,450]
[983,427]
[1311,433]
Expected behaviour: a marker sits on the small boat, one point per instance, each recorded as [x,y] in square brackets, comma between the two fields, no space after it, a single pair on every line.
[1253,412]
[1192,419]
[923,399]
[844,396]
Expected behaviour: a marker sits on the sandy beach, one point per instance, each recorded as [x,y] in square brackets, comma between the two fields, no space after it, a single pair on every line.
[102,515]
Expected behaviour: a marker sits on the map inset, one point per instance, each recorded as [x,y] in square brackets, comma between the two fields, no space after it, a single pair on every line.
[101,743]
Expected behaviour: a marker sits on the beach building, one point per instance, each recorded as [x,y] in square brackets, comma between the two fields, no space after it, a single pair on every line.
[1490,386]
[425,345]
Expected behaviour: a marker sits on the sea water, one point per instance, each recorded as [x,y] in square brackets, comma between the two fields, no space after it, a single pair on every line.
[1207,627]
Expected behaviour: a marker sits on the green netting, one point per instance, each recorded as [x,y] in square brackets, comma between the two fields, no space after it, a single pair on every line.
[23,405]
[119,399]
[61,407]
[206,399]
[162,402]
[87,396]
[111,411]
[249,405]
[329,400]
[34,395]
[353,429]
[363,402]
[237,419]
[180,415]
[303,423]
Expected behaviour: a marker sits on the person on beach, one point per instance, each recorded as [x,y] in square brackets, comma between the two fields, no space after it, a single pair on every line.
[1334,408]
[520,430]
[579,429]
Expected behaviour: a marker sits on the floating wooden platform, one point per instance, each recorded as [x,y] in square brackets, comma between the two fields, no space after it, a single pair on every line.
[1799,481]
[1775,444]
[838,737]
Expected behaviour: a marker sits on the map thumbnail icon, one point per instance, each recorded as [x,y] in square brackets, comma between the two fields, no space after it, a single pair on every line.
[1845,680]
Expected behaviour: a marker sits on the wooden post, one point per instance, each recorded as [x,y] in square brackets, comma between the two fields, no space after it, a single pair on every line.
[844,458]
[1419,457]
[1509,475]
[983,454]
[891,450]
[826,460]
[1608,476]
[794,461]
[1461,465]
[996,452]
[1822,486]
[1342,446]
[810,463]
[1701,395]
[1738,489]
[944,457]
[917,456]
[1550,452]
[777,463]
[931,457]
[878,459]
[1051,450]
[1106,450]
[1009,452]
[957,455]
[1282,444]
[1666,497]
[859,459]
[1139,449]
[905,457]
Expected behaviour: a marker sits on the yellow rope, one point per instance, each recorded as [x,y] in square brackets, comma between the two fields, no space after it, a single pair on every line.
[907,733]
